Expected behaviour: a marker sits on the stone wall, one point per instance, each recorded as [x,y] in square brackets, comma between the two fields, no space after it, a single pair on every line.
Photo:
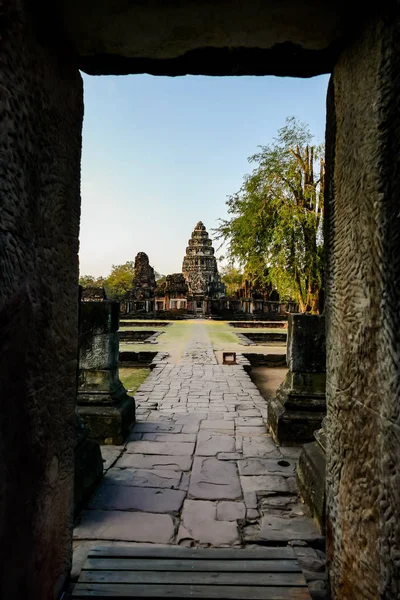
[363,328]
[41,112]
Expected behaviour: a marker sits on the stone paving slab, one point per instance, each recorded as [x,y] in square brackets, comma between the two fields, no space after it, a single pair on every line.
[199,523]
[149,427]
[158,478]
[231,511]
[160,448]
[264,483]
[209,443]
[217,425]
[123,497]
[110,455]
[149,461]
[125,526]
[169,437]
[259,447]
[214,480]
[280,530]
[261,466]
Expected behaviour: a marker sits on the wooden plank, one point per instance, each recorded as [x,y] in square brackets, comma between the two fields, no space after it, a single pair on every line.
[87,590]
[171,564]
[208,553]
[198,578]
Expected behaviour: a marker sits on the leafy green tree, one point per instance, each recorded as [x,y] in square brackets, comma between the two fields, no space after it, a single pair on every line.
[86,280]
[232,277]
[120,281]
[276,227]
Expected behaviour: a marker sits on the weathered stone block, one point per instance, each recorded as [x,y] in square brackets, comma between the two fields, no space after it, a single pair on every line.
[311,481]
[306,352]
[300,405]
[103,403]
[109,424]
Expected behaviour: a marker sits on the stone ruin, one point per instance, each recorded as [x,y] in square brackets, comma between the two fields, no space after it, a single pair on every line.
[300,403]
[172,293]
[200,270]
[103,403]
[144,284]
[93,293]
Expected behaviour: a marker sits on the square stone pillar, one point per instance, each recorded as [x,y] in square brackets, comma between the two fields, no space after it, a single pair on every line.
[299,406]
[362,202]
[41,107]
[103,403]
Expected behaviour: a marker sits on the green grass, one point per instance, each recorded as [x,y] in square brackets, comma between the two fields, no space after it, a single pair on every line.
[133,378]
[175,337]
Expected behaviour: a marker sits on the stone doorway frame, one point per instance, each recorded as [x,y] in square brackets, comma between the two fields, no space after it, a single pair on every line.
[42,111]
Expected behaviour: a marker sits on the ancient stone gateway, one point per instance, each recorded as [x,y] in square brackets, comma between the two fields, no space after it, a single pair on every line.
[43,48]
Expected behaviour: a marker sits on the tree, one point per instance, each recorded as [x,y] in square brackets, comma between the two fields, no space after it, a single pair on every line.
[232,277]
[120,281]
[276,227]
[86,280]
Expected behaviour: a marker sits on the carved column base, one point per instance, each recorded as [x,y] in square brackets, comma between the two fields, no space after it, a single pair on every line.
[109,424]
[298,409]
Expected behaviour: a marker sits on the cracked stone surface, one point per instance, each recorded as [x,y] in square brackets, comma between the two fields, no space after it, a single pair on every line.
[200,467]
[213,479]
[199,523]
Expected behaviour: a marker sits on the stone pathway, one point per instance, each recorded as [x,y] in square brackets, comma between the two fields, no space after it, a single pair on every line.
[200,468]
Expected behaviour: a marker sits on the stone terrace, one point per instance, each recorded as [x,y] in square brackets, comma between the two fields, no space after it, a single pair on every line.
[200,468]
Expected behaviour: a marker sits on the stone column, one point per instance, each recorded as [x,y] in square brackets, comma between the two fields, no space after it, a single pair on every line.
[40,150]
[299,406]
[103,403]
[363,315]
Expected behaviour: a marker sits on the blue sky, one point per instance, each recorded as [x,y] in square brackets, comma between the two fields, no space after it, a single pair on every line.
[160,154]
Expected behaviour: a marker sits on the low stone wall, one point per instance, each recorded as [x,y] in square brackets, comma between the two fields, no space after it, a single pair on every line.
[256,324]
[266,360]
[143,323]
[139,337]
[128,359]
[257,339]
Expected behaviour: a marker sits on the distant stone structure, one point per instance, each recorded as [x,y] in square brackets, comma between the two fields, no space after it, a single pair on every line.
[198,290]
[141,300]
[172,294]
[93,293]
[201,272]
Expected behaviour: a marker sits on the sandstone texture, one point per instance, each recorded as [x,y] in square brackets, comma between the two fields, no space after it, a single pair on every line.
[363,328]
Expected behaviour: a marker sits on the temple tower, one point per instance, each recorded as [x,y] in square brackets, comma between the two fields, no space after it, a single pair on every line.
[144,285]
[201,271]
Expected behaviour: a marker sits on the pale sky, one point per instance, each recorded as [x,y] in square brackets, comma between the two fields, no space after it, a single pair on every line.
[161,154]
